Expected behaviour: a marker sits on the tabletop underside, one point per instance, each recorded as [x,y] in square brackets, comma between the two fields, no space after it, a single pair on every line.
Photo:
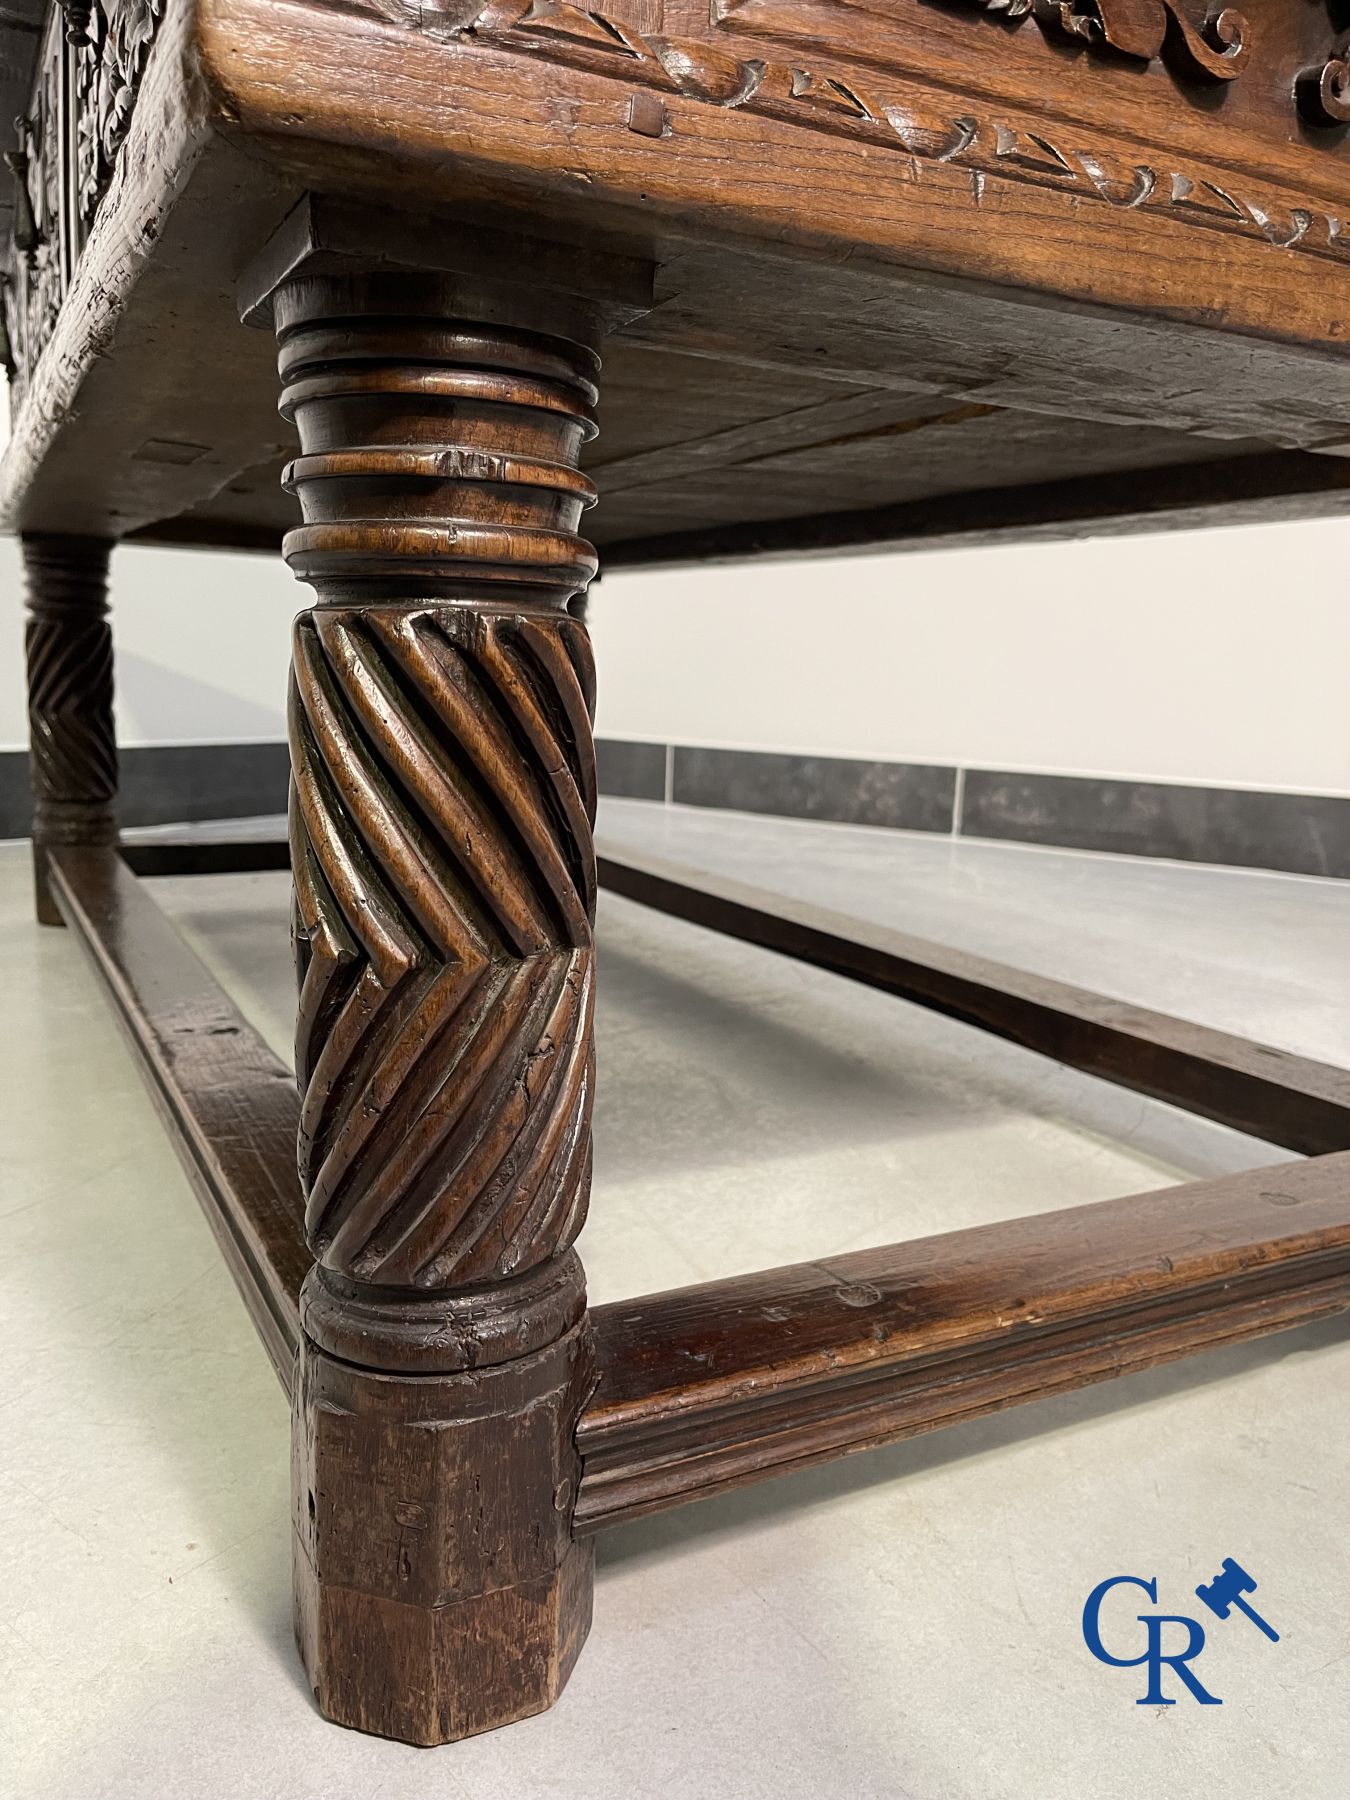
[917,272]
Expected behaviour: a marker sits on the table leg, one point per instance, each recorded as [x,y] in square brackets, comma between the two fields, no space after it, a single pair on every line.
[70,699]
[442,802]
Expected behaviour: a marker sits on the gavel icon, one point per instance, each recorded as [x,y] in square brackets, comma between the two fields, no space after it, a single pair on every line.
[1225,1592]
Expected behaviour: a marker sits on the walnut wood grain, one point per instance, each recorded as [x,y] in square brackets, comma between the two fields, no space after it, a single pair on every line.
[710,1387]
[1271,1093]
[72,747]
[1247,490]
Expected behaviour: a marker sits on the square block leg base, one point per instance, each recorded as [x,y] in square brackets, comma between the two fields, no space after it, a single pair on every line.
[432,1676]
[438,1589]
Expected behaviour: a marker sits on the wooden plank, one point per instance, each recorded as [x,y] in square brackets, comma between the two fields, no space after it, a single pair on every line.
[1230,490]
[1270,1093]
[229,1104]
[879,415]
[711,1387]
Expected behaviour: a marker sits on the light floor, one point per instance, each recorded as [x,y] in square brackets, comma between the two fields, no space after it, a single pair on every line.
[903,1624]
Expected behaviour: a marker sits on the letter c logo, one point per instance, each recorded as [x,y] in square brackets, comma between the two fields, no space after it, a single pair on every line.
[1092,1625]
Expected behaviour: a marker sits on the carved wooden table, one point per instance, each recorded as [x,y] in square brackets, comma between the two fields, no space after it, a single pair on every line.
[866,272]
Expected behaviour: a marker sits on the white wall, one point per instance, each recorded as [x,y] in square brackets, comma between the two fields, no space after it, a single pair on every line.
[1218,657]
[203,644]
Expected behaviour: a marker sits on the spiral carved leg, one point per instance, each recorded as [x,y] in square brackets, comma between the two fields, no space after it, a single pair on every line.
[442,801]
[73,753]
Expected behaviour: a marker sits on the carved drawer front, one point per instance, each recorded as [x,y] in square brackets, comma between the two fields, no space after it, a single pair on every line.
[87,74]
[43,249]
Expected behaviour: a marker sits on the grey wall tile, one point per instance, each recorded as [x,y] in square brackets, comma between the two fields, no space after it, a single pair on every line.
[1300,833]
[631,771]
[16,798]
[163,784]
[1304,834]
[904,796]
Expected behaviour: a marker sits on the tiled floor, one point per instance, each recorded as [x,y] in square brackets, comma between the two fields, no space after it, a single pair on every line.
[904,1624]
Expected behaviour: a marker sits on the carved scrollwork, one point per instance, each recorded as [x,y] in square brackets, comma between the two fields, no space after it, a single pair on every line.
[1216,50]
[709,74]
[1123,185]
[108,75]
[77,20]
[1323,93]
[40,260]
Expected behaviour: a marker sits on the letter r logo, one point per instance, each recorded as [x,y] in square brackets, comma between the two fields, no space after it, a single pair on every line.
[1153,1653]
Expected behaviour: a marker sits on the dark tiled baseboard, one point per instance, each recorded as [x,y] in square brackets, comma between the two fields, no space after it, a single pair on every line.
[903,796]
[630,770]
[1305,834]
[166,784]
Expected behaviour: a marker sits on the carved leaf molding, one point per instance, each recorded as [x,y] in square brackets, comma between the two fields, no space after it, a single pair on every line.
[988,147]
[103,73]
